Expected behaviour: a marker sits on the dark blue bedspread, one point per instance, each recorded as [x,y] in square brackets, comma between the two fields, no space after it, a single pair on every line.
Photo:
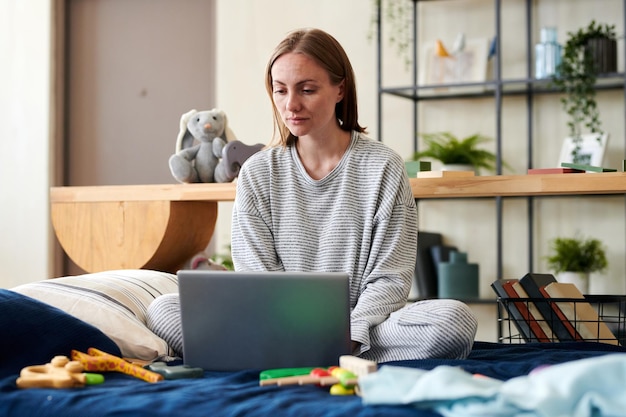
[223,393]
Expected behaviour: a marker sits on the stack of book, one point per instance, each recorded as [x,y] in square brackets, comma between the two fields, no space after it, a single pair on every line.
[544,310]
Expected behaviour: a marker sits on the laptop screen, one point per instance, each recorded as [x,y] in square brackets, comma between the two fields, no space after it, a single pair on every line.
[262,320]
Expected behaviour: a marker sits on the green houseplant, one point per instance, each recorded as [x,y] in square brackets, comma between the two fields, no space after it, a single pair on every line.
[447,148]
[573,259]
[577,254]
[588,52]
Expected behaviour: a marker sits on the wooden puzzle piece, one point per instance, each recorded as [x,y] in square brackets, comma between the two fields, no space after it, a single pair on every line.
[59,373]
[342,379]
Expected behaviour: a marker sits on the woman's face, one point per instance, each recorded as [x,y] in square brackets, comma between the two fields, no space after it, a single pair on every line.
[304,95]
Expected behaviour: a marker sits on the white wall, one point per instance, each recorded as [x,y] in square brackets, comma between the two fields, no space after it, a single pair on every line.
[25,242]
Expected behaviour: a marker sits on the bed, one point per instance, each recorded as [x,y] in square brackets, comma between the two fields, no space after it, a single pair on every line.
[33,330]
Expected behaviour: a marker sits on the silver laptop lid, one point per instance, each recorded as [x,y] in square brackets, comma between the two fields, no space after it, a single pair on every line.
[263,320]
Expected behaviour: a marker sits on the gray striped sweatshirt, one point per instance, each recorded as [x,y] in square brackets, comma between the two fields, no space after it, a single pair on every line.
[360,219]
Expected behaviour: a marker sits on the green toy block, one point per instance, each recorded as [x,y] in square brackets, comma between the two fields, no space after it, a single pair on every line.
[424,166]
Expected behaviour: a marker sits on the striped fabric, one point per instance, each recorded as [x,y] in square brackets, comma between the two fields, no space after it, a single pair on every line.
[116,302]
[360,219]
[165,321]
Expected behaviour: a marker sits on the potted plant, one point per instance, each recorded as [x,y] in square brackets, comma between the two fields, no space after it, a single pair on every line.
[573,259]
[588,52]
[455,153]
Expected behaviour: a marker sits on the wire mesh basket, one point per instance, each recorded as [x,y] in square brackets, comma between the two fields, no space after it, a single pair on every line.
[596,318]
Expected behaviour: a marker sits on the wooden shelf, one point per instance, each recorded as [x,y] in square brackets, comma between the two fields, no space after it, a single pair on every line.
[161,226]
[465,187]
[147,192]
[520,185]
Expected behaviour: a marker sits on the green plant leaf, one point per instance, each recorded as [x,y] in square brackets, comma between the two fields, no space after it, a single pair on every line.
[577,254]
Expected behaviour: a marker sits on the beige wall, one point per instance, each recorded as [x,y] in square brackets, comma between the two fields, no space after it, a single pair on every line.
[246,33]
[25,242]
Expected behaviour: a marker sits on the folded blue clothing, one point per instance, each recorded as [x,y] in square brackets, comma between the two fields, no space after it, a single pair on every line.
[585,387]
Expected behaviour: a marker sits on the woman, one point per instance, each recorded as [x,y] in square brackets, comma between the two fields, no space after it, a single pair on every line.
[327,198]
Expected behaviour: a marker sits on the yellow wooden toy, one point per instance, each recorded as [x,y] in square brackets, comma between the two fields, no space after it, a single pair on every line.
[59,373]
[342,379]
[97,360]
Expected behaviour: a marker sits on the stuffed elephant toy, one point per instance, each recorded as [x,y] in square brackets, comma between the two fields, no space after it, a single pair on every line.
[234,155]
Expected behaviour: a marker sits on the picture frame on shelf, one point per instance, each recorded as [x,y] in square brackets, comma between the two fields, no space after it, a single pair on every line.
[440,66]
[591,152]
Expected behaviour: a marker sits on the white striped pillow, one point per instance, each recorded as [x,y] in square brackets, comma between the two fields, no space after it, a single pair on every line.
[113,301]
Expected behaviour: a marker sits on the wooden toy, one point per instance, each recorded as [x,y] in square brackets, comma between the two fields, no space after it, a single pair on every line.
[96,360]
[284,372]
[59,373]
[343,378]
[425,165]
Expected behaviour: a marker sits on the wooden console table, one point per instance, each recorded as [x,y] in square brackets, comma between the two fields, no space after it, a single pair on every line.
[161,226]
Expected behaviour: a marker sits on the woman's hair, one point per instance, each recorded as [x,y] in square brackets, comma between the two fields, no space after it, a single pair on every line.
[330,55]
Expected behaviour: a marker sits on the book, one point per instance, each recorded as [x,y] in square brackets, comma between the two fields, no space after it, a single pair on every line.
[532,284]
[537,333]
[561,316]
[445,174]
[544,332]
[514,313]
[580,314]
[590,168]
[425,269]
[532,171]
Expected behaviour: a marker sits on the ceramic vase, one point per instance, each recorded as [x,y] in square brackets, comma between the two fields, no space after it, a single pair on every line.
[580,279]
[457,278]
[547,54]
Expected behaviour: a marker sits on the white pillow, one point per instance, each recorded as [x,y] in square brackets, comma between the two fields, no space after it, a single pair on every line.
[115,302]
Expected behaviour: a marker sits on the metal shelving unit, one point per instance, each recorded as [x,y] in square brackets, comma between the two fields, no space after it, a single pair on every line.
[498,88]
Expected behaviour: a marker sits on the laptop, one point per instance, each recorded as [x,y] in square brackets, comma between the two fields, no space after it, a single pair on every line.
[263,320]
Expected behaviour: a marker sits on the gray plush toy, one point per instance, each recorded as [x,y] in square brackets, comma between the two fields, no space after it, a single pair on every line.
[206,149]
[202,136]
[234,155]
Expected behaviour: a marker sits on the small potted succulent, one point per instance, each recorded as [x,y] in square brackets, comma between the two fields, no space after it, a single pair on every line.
[573,259]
